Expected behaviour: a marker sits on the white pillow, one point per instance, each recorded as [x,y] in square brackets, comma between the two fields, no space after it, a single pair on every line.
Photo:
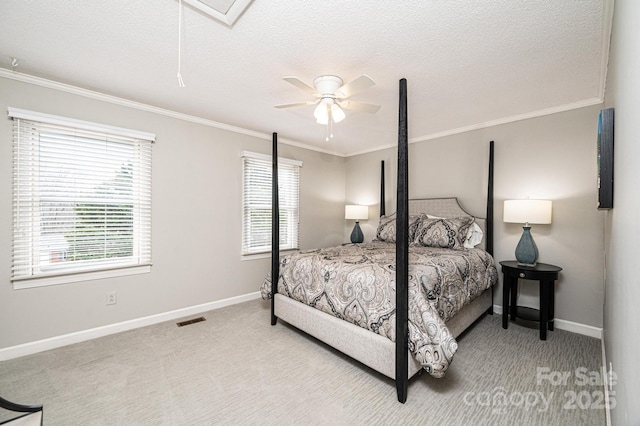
[474,234]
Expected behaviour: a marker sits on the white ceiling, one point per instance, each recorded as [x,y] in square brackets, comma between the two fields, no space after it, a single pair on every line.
[468,63]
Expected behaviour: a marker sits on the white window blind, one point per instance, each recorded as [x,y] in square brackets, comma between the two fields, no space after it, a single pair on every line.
[256,211]
[81,197]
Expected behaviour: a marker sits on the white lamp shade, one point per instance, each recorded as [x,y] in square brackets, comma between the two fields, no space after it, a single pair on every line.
[321,113]
[328,108]
[337,113]
[356,212]
[527,211]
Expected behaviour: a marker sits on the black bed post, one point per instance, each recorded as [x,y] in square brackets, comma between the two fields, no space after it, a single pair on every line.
[402,251]
[275,228]
[489,244]
[382,209]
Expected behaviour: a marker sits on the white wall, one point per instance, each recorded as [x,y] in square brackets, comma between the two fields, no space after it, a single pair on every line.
[622,315]
[196,220]
[551,157]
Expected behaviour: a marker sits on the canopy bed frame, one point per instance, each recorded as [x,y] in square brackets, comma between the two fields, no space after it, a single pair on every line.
[378,352]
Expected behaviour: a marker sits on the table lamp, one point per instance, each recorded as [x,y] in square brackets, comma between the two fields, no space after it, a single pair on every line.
[527,212]
[358,213]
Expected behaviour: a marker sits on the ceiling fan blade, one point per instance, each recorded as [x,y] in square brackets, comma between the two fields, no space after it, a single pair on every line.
[300,85]
[359,106]
[357,85]
[297,104]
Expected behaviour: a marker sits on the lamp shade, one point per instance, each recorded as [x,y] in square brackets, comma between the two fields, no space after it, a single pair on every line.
[321,113]
[328,108]
[356,212]
[337,113]
[527,211]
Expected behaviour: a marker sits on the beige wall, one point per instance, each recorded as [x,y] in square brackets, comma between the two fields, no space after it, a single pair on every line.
[622,316]
[196,220]
[551,157]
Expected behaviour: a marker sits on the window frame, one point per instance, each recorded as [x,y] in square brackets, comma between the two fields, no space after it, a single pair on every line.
[138,145]
[288,170]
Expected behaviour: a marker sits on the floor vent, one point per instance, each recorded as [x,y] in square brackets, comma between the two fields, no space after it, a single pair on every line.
[191,321]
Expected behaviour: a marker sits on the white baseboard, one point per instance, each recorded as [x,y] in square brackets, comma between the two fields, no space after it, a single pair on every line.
[574,327]
[81,336]
[605,369]
[93,333]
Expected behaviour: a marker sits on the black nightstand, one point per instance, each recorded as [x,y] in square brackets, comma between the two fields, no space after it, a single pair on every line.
[544,273]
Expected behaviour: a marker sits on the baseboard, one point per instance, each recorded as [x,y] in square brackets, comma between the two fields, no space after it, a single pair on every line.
[574,327]
[93,333]
[605,373]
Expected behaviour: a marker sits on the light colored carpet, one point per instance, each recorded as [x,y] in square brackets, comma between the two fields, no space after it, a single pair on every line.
[235,368]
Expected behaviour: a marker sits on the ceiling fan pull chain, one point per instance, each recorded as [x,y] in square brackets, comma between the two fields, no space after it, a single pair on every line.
[180,81]
[329,125]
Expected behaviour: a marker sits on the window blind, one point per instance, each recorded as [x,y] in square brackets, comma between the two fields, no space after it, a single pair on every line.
[256,211]
[81,197]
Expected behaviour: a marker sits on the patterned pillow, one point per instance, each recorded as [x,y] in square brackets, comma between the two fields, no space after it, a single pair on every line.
[446,233]
[474,234]
[387,228]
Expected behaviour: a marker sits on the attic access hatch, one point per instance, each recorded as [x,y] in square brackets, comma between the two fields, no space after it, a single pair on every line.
[226,11]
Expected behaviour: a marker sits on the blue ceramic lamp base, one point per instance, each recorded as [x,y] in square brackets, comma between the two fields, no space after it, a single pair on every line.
[526,250]
[356,235]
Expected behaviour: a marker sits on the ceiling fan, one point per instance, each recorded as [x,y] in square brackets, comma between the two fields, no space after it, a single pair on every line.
[332,96]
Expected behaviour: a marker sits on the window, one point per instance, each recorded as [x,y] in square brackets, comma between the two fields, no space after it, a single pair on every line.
[81,200]
[256,211]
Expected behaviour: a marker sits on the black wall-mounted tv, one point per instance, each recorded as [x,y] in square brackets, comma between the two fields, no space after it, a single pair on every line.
[605,159]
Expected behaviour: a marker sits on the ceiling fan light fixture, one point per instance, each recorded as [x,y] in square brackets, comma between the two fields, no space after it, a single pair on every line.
[337,113]
[321,113]
[331,94]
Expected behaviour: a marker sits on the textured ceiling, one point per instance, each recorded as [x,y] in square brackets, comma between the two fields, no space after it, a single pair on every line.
[467,63]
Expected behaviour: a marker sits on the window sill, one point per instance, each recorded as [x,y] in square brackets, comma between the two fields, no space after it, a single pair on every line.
[83,276]
[265,255]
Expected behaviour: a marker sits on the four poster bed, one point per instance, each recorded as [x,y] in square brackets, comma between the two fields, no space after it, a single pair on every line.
[395,309]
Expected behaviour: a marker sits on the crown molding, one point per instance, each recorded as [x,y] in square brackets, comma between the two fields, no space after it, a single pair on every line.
[91,94]
[492,123]
[39,81]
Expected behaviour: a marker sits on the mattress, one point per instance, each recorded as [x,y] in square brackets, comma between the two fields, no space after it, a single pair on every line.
[356,283]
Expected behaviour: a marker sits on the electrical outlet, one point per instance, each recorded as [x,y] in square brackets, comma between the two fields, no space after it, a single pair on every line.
[112,298]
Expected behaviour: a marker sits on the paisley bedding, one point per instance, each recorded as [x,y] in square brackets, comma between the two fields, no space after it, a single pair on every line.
[356,283]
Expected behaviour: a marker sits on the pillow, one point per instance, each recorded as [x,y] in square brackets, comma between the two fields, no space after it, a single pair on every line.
[474,235]
[446,233]
[387,228]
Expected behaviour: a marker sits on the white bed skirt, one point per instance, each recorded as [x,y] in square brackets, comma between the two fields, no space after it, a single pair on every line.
[363,345]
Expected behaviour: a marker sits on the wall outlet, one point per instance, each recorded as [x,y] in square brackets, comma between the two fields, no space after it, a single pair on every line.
[112,298]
